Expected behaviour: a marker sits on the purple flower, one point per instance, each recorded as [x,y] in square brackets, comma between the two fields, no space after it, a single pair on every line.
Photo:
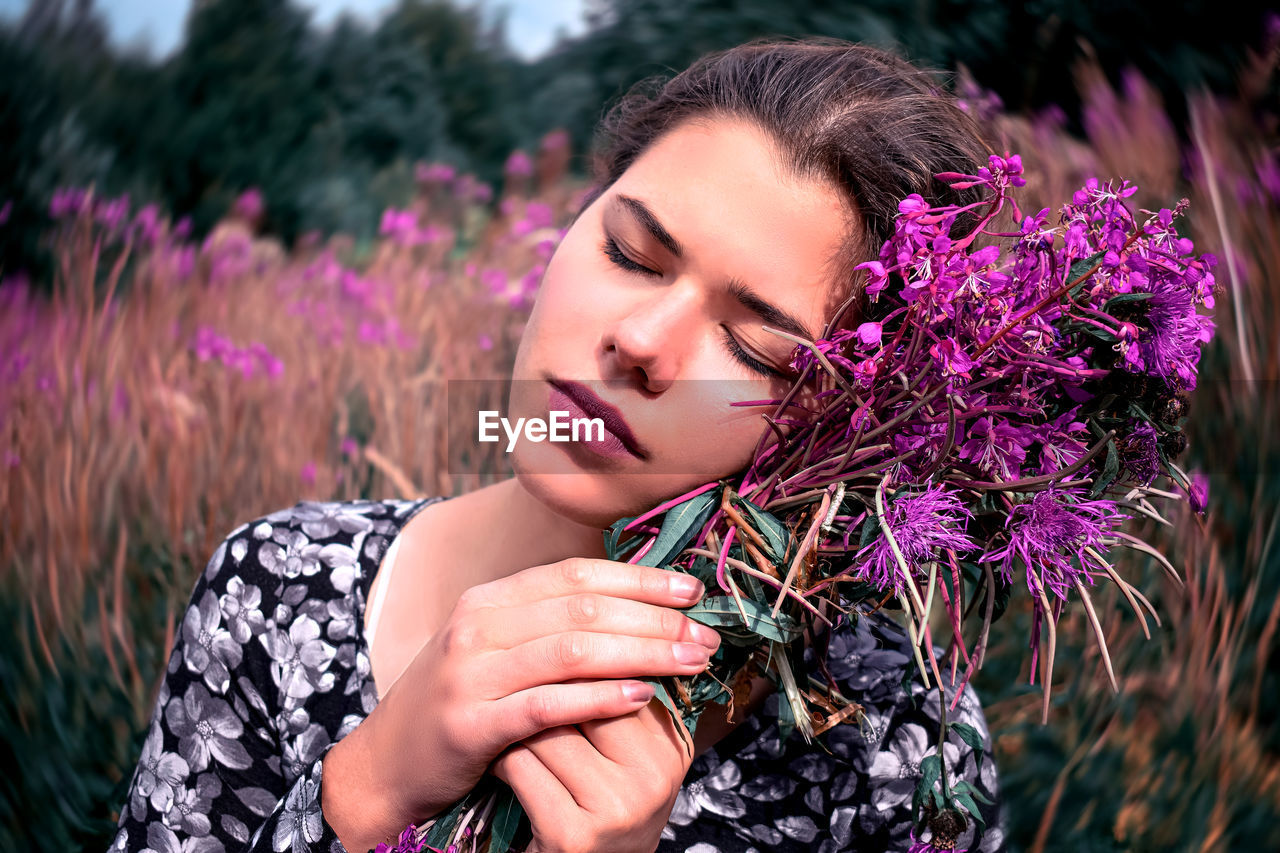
[518,164]
[5,210]
[147,224]
[952,358]
[829,347]
[249,205]
[401,226]
[921,524]
[1198,493]
[1140,454]
[1169,345]
[68,202]
[440,173]
[870,334]
[1047,532]
[997,447]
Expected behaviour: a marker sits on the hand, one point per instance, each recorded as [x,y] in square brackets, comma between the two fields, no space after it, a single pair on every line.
[542,648]
[607,785]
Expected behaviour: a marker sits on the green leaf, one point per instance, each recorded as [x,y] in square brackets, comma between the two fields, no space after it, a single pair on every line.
[506,819]
[970,735]
[970,806]
[440,831]
[1082,266]
[786,720]
[679,525]
[1110,470]
[722,611]
[773,531]
[612,549]
[1126,297]
[930,772]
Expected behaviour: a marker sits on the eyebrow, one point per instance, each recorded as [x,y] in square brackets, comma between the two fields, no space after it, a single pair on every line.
[738,289]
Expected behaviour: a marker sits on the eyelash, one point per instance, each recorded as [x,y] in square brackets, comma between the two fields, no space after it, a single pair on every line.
[615,254]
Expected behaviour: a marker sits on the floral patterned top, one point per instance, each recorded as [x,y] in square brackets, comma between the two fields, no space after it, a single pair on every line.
[271,667]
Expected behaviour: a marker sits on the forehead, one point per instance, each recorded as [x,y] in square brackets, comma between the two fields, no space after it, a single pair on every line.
[721,187]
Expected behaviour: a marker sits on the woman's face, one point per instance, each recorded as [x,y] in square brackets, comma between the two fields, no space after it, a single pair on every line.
[655,300]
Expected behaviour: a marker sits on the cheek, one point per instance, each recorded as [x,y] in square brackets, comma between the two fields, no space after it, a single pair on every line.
[702,433]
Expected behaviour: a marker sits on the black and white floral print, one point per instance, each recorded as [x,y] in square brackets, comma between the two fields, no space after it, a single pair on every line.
[271,668]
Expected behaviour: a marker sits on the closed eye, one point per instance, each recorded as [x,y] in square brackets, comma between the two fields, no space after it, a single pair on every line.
[615,254]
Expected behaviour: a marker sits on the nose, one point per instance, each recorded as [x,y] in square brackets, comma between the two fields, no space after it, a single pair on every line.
[652,339]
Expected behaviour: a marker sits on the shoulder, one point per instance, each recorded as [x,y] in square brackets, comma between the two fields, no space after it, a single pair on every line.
[323,546]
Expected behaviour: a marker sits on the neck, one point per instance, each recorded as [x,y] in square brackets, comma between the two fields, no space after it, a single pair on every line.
[513,531]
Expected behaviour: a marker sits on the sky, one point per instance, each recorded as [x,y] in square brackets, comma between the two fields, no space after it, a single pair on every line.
[531,24]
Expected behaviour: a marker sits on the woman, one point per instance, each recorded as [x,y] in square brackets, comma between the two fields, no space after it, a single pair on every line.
[292,717]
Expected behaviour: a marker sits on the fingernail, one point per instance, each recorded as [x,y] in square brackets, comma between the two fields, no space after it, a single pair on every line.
[686,586]
[637,692]
[691,653]
[709,637]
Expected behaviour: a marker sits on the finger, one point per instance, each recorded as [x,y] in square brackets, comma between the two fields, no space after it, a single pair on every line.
[640,738]
[585,654]
[575,763]
[540,793]
[527,712]
[583,574]
[596,612]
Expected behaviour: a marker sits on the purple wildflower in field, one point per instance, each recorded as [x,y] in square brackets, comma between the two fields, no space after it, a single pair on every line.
[545,249]
[308,474]
[495,280]
[556,140]
[921,524]
[208,345]
[146,225]
[400,226]
[434,173]
[249,205]
[518,164]
[67,203]
[1049,533]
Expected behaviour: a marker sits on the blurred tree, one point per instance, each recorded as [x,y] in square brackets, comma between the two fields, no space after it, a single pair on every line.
[244,102]
[475,71]
[1023,51]
[382,110]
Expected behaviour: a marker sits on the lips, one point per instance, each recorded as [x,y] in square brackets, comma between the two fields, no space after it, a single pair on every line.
[597,408]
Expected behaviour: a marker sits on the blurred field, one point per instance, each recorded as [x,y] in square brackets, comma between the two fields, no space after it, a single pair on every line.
[159,391]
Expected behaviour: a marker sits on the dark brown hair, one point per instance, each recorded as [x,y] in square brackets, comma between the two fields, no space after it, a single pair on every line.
[866,121]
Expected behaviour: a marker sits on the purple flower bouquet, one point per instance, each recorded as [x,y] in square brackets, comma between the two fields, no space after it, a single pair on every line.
[1011,398]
